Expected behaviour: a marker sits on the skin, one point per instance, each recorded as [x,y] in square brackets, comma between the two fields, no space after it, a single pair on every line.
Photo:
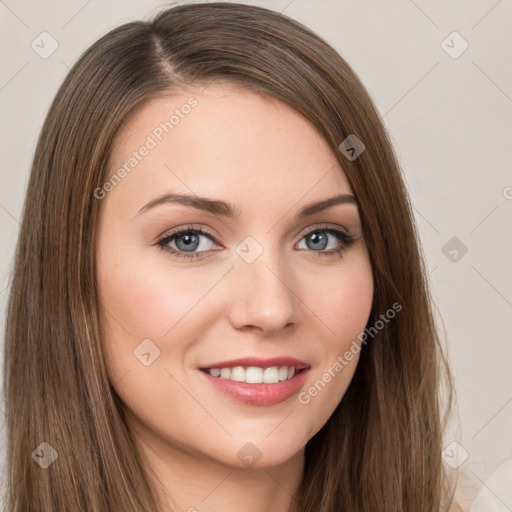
[262,157]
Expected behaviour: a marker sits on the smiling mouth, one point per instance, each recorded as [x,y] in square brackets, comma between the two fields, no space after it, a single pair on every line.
[254,374]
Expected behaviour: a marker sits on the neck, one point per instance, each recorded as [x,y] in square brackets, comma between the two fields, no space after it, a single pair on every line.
[201,485]
[193,483]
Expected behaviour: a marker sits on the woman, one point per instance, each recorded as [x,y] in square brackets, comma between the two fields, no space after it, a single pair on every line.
[219,301]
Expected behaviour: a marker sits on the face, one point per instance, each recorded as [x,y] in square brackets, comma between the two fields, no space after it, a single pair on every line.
[212,260]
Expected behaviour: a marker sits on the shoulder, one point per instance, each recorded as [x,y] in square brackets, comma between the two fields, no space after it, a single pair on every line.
[466,490]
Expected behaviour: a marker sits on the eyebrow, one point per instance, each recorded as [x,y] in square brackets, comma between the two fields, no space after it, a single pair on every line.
[218,207]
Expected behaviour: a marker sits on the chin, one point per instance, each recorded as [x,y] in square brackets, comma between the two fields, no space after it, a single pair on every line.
[258,452]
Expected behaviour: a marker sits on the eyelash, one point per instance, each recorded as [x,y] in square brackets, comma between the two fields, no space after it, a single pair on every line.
[346,239]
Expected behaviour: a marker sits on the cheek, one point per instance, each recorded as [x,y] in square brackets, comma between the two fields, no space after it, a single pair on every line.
[343,300]
[342,305]
[143,300]
[148,298]
[348,310]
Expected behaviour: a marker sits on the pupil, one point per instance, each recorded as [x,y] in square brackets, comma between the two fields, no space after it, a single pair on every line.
[190,241]
[319,241]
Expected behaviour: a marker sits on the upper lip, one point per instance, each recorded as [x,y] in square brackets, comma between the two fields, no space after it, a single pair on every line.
[259,362]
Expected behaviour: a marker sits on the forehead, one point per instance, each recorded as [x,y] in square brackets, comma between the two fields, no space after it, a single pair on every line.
[222,141]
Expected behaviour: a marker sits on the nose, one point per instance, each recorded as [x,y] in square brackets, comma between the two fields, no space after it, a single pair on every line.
[263,294]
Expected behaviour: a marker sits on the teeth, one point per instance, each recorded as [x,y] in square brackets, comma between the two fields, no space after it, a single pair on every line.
[254,374]
[271,375]
[238,374]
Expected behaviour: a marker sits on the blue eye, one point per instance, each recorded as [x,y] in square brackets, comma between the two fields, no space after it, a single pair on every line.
[187,243]
[318,240]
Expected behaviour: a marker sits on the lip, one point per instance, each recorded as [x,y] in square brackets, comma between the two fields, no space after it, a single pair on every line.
[258,394]
[260,363]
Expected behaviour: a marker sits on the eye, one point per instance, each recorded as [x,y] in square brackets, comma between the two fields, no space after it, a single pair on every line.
[191,243]
[325,237]
[184,242]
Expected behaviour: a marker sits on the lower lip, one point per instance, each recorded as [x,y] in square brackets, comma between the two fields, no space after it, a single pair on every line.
[259,394]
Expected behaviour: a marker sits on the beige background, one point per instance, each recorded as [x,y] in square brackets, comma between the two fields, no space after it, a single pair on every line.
[451,121]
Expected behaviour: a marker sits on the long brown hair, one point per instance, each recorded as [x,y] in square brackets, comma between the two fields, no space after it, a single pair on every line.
[381,448]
